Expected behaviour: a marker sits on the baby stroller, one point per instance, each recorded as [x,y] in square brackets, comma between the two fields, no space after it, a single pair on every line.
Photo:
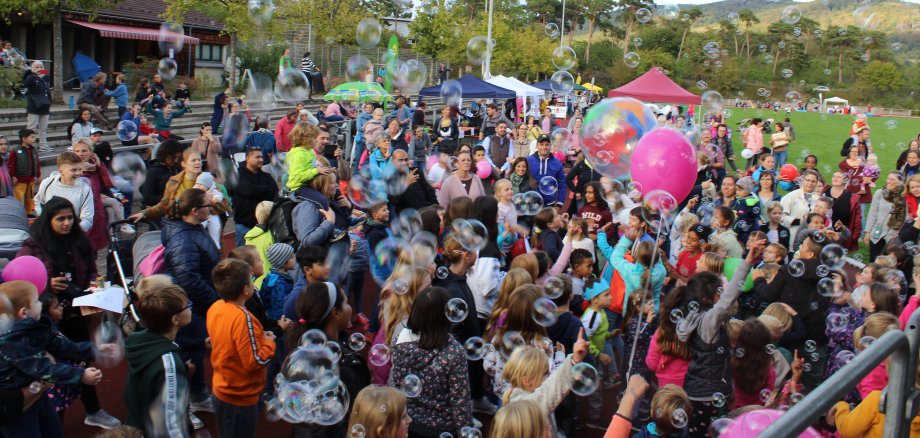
[14,227]
[122,262]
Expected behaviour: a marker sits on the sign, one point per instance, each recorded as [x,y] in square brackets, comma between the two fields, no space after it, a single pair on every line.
[559,112]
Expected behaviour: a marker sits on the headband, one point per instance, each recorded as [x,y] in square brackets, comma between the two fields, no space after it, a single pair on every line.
[332,296]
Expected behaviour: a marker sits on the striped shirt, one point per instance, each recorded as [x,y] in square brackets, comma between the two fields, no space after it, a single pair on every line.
[307,65]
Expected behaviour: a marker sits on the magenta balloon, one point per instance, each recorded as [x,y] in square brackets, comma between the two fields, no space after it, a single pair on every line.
[664,160]
[483,169]
[754,422]
[27,268]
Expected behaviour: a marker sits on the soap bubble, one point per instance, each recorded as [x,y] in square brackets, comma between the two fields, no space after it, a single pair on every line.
[833,256]
[866,341]
[679,418]
[584,379]
[739,352]
[356,341]
[643,15]
[470,432]
[822,270]
[451,93]
[631,59]
[126,130]
[533,203]
[827,287]
[477,49]
[548,185]
[732,17]
[796,268]
[712,50]
[793,95]
[693,306]
[130,166]
[261,11]
[770,349]
[791,14]
[718,426]
[762,48]
[407,223]
[836,321]
[891,124]
[787,73]
[170,38]
[365,191]
[668,12]
[661,201]
[676,315]
[765,395]
[108,342]
[797,32]
[712,101]
[811,346]
[511,340]
[551,29]
[357,431]
[442,272]
[313,339]
[844,357]
[768,59]
[471,234]
[368,33]
[896,46]
[358,68]
[411,385]
[796,397]
[544,312]
[378,355]
[475,348]
[292,86]
[554,287]
[564,58]
[637,41]
[456,310]
[562,83]
[167,68]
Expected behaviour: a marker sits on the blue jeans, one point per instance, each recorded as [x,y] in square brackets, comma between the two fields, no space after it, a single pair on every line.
[780,158]
[39,421]
[191,338]
[241,231]
[614,345]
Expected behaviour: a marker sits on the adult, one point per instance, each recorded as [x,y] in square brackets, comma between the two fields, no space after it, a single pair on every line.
[261,138]
[403,114]
[521,179]
[852,166]
[780,140]
[89,99]
[766,194]
[307,66]
[491,120]
[797,204]
[533,130]
[846,207]
[521,142]
[178,184]
[447,132]
[727,194]
[418,116]
[95,172]
[38,102]
[81,127]
[419,193]
[911,165]
[594,209]
[165,165]
[360,139]
[547,122]
[284,62]
[861,140]
[220,106]
[67,255]
[542,165]
[397,135]
[254,187]
[912,146]
[419,148]
[498,148]
[753,141]
[724,142]
[208,146]
[190,256]
[443,72]
[462,182]
[427,350]
[886,214]
[283,131]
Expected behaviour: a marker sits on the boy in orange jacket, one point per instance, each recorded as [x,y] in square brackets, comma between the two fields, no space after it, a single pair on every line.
[240,350]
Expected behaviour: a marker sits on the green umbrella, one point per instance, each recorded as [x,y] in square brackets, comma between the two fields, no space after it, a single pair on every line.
[358,92]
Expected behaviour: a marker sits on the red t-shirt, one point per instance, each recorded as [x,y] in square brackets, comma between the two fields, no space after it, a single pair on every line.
[596,217]
[686,263]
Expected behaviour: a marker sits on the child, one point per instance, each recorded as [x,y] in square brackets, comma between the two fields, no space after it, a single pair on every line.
[207,183]
[693,242]
[776,231]
[668,357]
[439,171]
[547,224]
[767,163]
[120,93]
[157,377]
[712,262]
[375,229]
[566,328]
[670,407]
[747,209]
[67,183]
[311,260]
[301,159]
[260,237]
[824,206]
[863,280]
[582,263]
[869,173]
[638,273]
[25,169]
[702,328]
[781,366]
[641,319]
[380,412]
[861,123]
[752,370]
[278,283]
[24,348]
[873,328]
[722,219]
[682,222]
[597,330]
[163,118]
[357,265]
[240,350]
[523,418]
[183,96]
[578,235]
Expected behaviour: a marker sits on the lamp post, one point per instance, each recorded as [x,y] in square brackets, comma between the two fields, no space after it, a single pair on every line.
[486,66]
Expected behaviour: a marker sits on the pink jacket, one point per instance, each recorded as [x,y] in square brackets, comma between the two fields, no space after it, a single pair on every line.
[668,369]
[876,380]
[283,134]
[909,309]
[753,139]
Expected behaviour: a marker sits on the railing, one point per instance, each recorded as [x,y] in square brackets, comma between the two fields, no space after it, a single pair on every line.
[900,400]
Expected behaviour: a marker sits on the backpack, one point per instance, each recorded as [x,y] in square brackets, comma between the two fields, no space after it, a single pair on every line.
[280,221]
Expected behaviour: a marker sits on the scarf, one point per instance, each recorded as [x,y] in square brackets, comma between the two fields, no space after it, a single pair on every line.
[516,181]
[6,183]
[896,198]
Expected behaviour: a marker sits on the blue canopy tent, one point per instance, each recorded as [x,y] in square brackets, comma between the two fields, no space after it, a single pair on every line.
[474,88]
[545,85]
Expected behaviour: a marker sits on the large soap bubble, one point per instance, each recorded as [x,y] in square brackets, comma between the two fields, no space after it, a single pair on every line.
[170,38]
[451,93]
[368,33]
[126,130]
[358,68]
[564,58]
[477,49]
[292,86]
[167,68]
[562,83]
[610,132]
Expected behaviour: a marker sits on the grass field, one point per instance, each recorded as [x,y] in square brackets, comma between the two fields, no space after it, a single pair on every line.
[822,135]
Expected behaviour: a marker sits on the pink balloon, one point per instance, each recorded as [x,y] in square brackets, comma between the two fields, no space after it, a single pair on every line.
[432,160]
[27,268]
[664,161]
[754,422]
[483,169]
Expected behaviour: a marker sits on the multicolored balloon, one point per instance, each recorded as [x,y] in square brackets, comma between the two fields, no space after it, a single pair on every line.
[611,130]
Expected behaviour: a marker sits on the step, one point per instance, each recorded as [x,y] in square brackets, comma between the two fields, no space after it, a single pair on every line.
[64,113]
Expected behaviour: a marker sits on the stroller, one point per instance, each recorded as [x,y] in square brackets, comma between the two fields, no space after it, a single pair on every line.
[14,227]
[122,262]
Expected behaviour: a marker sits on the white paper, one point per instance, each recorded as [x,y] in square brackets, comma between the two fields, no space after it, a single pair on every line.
[111,299]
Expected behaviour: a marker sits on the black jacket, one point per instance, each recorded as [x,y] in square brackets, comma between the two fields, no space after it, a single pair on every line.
[585,174]
[155,184]
[457,287]
[37,88]
[419,194]
[800,293]
[252,189]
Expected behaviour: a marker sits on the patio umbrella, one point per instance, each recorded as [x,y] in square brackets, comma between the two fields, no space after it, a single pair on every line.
[358,92]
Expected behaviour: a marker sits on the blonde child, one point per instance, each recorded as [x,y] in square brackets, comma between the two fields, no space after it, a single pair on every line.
[261,238]
[670,406]
[577,234]
[873,328]
[712,262]
[152,282]
[520,419]
[776,231]
[207,183]
[380,412]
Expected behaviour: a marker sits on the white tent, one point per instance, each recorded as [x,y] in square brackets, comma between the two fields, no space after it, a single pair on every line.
[833,100]
[523,91]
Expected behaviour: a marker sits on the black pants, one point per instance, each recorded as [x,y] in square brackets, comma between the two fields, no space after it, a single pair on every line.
[875,249]
[77,329]
[191,338]
[236,421]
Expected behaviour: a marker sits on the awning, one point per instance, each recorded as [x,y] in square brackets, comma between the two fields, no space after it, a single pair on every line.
[136,33]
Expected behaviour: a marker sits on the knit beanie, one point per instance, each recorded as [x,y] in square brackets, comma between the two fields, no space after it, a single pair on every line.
[206,179]
[278,254]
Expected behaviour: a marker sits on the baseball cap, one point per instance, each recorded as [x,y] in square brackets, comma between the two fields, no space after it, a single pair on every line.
[542,138]
[96,131]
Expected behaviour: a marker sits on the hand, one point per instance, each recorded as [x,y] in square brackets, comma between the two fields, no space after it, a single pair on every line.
[580,349]
[831,416]
[798,366]
[324,170]
[843,298]
[692,202]
[107,349]
[838,225]
[578,196]
[606,360]
[560,348]
[136,217]
[284,323]
[343,202]
[59,284]
[606,227]
[269,336]
[637,386]
[91,376]
[338,153]
[190,367]
[866,239]
[755,249]
[757,273]
[413,176]
[831,234]
[328,214]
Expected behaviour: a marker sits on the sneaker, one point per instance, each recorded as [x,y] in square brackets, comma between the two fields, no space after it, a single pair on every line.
[197,424]
[127,229]
[46,148]
[338,234]
[477,424]
[205,405]
[484,406]
[596,425]
[102,419]
[356,222]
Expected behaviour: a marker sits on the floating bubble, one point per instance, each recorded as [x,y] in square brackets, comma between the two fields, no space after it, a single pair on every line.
[637,42]
[793,95]
[312,339]
[477,49]
[719,426]
[564,58]
[702,85]
[470,432]
[368,33]
[732,17]
[844,357]
[475,348]
[836,321]
[797,32]
[842,31]
[796,268]
[378,355]
[896,46]
[643,15]
[411,385]
[762,48]
[765,395]
[739,352]
[584,379]
[610,132]
[261,11]
[796,397]
[126,130]
[544,312]
[768,59]
[554,287]
[891,124]
[292,86]
[811,346]
[631,59]
[357,431]
[108,342]
[718,399]
[170,39]
[661,201]
[356,341]
[548,185]
[712,50]
[827,71]
[676,315]
[679,418]
[334,350]
[833,256]
[358,68]
[365,191]
[456,310]
[787,73]
[822,270]
[510,341]
[471,234]
[770,349]
[791,14]
[167,68]
[818,33]
[551,30]
[712,101]
[451,93]
[562,83]
[130,166]
[667,11]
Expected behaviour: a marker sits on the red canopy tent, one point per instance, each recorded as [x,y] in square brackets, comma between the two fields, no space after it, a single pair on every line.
[655,86]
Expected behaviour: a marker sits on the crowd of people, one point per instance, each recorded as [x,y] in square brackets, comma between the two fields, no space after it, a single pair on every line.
[502,279]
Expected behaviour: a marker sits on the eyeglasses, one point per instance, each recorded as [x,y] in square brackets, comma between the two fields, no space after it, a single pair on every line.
[187,306]
[204,206]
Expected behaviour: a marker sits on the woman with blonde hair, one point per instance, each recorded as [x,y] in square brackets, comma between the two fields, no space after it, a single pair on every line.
[520,419]
[397,297]
[380,412]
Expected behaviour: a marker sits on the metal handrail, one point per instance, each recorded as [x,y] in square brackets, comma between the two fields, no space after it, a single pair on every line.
[900,396]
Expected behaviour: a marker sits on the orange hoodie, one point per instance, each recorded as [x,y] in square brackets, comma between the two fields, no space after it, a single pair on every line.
[239,352]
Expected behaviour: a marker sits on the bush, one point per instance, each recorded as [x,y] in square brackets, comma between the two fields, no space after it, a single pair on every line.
[263,60]
[10,81]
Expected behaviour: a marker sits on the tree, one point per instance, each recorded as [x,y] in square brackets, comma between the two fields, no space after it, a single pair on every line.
[693,14]
[881,76]
[44,11]
[748,17]
[726,29]
[628,10]
[595,13]
[843,39]
[436,31]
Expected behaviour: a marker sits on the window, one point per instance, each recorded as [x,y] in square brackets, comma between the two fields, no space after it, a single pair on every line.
[209,52]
